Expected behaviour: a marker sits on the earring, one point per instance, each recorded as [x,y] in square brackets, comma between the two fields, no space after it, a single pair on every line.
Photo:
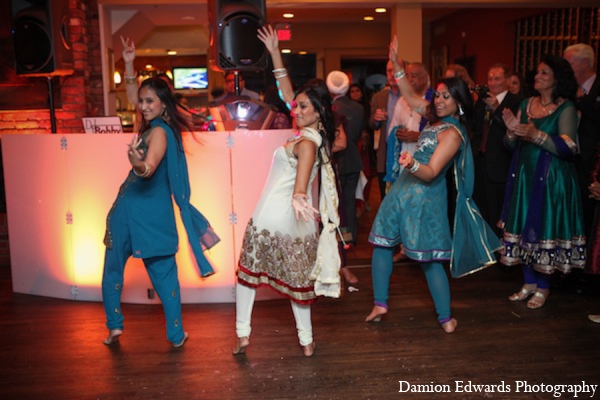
[320,126]
[165,116]
[460,110]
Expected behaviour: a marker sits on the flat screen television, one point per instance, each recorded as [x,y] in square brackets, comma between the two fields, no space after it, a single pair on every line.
[194,78]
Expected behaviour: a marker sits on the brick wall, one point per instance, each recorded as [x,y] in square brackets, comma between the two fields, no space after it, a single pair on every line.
[81,92]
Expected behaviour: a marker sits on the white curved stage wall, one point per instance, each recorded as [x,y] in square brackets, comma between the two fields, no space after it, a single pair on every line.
[59,189]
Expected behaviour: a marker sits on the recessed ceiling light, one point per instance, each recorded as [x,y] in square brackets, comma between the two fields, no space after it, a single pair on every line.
[368,18]
[303,52]
[286,51]
[380,10]
[171,52]
[148,66]
[188,18]
[288,15]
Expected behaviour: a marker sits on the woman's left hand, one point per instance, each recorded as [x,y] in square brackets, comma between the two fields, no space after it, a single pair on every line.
[134,154]
[301,207]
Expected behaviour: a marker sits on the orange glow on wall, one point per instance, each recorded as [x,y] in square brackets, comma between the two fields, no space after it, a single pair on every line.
[59,190]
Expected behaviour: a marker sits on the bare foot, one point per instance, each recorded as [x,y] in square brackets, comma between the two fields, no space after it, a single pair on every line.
[376,314]
[450,326]
[113,336]
[240,347]
[309,349]
[185,338]
[349,277]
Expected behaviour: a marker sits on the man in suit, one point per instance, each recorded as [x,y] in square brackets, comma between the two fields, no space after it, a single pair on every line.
[581,57]
[382,110]
[492,158]
[349,161]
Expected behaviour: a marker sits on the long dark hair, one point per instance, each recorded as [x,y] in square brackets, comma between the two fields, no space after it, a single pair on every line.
[462,96]
[318,94]
[173,116]
[566,84]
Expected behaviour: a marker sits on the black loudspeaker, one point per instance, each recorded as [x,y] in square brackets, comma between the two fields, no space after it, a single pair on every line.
[233,28]
[40,30]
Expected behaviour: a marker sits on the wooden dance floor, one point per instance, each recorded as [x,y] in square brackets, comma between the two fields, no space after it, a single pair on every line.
[52,349]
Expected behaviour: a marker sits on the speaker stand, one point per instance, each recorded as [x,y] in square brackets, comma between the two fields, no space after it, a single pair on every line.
[236,80]
[51,104]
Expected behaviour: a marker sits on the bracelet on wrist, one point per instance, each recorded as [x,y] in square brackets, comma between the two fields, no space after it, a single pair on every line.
[414,167]
[540,138]
[143,174]
[400,74]
[130,80]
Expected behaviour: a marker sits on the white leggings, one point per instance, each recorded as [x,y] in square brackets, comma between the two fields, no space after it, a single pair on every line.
[244,302]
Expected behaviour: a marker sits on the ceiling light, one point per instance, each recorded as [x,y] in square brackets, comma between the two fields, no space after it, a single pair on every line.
[380,10]
[188,18]
[286,51]
[288,15]
[303,52]
[148,66]
[171,52]
[368,18]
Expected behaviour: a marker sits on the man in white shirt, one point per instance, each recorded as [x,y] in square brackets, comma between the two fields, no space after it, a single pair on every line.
[406,124]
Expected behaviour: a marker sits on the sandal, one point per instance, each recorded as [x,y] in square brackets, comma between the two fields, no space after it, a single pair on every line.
[537,300]
[522,294]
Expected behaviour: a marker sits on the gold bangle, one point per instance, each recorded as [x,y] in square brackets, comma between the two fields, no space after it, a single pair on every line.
[130,80]
[143,174]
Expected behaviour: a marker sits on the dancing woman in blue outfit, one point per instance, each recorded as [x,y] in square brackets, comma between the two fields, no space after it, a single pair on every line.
[415,210]
[141,222]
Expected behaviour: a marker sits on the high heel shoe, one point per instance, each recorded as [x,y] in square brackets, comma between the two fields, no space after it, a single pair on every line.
[376,314]
[309,349]
[113,336]
[240,347]
[522,294]
[185,338]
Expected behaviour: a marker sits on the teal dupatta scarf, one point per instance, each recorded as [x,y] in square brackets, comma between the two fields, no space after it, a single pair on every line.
[200,234]
[473,240]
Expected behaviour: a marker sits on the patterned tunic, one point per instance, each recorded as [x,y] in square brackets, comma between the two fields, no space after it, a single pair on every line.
[279,251]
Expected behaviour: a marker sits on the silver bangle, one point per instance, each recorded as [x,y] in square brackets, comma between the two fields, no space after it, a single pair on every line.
[414,167]
[400,74]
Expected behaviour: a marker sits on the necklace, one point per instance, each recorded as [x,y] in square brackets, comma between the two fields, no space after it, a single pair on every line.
[547,104]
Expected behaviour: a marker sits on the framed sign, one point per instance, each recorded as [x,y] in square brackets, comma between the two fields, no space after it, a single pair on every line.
[102,125]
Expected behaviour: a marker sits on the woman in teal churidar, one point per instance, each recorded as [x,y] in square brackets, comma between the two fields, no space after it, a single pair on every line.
[141,221]
[415,210]
[542,215]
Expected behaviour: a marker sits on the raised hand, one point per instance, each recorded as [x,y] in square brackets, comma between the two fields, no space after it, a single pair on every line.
[268,36]
[128,49]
